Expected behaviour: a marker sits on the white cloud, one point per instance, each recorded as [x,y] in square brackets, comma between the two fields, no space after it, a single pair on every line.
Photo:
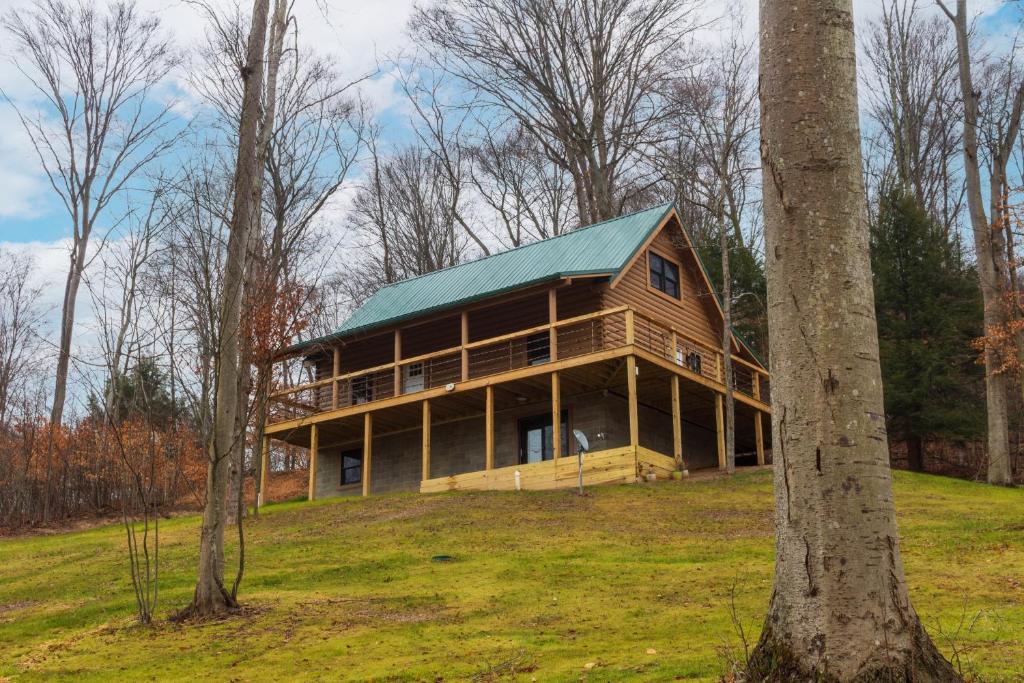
[23,187]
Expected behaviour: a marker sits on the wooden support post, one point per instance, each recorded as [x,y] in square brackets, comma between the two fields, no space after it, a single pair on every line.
[756,388]
[759,436]
[334,383]
[630,326]
[367,450]
[720,428]
[489,427]
[465,351]
[314,446]
[398,357]
[426,440]
[677,424]
[634,417]
[673,354]
[552,319]
[556,417]
[264,469]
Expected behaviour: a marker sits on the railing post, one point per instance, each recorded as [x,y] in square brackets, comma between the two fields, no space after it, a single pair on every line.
[465,351]
[552,319]
[334,377]
[398,358]
[314,447]
[756,384]
[673,352]
[630,327]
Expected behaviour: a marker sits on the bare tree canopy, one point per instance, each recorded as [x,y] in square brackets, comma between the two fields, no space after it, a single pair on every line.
[95,71]
[586,78]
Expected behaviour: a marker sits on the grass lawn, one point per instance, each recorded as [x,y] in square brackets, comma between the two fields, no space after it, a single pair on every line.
[636,581]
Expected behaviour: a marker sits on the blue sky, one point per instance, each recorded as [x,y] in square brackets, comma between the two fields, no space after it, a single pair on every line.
[360,34]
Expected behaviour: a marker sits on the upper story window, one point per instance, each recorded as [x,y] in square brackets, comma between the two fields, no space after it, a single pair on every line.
[664,275]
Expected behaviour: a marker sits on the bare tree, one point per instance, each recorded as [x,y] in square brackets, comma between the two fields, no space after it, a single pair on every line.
[912,96]
[531,196]
[95,71]
[990,239]
[119,298]
[211,596]
[585,77]
[21,321]
[404,218]
[840,609]
[313,143]
[715,105]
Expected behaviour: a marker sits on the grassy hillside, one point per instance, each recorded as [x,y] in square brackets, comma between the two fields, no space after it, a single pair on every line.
[635,582]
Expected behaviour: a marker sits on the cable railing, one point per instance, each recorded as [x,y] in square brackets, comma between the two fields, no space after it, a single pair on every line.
[563,340]
[663,340]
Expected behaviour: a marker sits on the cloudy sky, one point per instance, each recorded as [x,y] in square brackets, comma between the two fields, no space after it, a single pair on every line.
[361,34]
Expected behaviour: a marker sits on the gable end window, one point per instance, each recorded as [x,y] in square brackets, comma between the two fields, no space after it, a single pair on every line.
[664,275]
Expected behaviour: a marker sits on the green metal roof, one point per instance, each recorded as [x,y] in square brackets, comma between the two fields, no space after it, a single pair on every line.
[600,249]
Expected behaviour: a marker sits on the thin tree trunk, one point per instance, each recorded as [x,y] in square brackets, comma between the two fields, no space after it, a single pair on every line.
[992,268]
[253,285]
[840,610]
[730,402]
[210,595]
[915,453]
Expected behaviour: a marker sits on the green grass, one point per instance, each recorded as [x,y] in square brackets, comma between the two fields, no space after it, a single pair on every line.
[541,585]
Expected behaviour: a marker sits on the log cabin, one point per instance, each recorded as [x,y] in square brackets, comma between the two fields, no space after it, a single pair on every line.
[478,376]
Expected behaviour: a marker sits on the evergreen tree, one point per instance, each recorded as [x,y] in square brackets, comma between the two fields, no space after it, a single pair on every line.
[929,309]
[749,315]
[141,392]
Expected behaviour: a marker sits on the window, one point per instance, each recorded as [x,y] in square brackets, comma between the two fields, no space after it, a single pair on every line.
[362,390]
[412,378]
[538,348]
[351,466]
[535,438]
[664,275]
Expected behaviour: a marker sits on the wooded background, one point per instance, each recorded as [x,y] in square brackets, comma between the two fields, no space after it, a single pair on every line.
[526,119]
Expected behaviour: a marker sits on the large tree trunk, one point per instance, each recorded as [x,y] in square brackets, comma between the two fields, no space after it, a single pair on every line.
[210,596]
[840,610]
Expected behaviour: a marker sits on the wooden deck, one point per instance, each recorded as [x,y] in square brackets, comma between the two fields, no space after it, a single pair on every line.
[570,342]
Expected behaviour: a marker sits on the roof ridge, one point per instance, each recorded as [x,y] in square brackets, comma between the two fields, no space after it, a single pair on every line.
[524,246]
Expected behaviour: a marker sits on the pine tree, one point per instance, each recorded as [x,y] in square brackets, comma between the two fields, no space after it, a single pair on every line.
[929,308]
[746,271]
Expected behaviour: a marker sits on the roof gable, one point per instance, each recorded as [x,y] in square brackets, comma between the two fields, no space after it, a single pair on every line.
[600,249]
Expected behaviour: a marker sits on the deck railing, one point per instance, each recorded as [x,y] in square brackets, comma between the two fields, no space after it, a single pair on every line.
[574,337]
